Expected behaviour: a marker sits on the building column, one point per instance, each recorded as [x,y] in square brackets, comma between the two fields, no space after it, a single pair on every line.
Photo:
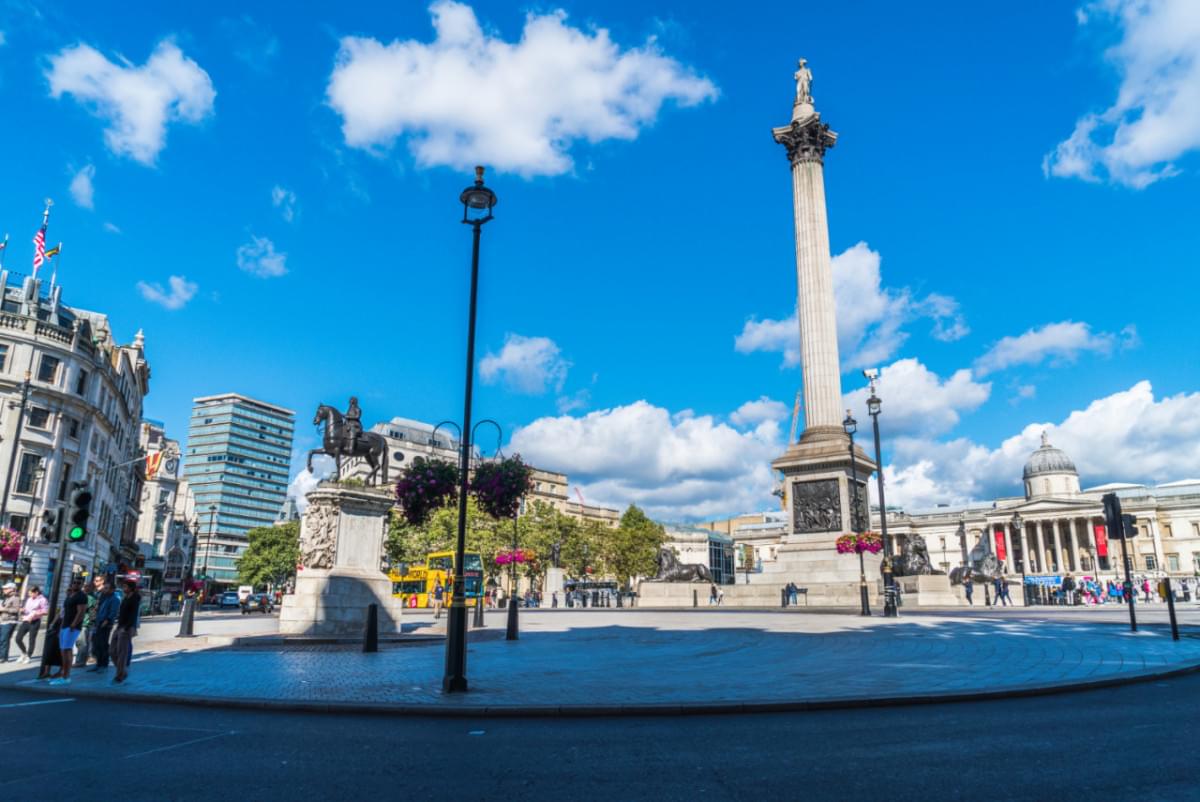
[1156,535]
[1010,559]
[1070,558]
[1045,531]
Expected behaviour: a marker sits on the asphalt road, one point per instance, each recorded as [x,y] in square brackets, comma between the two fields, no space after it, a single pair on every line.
[1133,742]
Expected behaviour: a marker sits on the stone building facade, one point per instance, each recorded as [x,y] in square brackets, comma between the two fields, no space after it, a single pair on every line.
[1062,526]
[81,423]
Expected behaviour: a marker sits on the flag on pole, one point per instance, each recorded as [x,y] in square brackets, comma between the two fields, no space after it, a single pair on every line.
[50,254]
[39,249]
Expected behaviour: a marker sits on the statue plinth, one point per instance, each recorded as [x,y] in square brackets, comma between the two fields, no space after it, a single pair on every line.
[341,554]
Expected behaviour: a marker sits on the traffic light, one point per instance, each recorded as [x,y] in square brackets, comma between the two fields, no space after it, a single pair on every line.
[1129,525]
[49,531]
[80,509]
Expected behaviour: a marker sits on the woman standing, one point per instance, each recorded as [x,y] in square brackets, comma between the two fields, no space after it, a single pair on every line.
[127,616]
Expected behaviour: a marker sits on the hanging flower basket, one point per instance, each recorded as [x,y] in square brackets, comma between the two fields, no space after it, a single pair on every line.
[868,542]
[499,486]
[10,544]
[515,556]
[426,485]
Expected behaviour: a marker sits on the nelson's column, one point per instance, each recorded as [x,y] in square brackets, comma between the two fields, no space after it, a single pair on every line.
[816,469]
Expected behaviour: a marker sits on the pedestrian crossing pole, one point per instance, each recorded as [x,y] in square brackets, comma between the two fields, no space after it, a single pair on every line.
[1116,528]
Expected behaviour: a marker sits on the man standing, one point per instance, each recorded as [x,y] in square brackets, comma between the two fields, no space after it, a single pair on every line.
[105,617]
[1001,588]
[32,613]
[84,647]
[127,617]
[74,609]
[438,591]
[10,614]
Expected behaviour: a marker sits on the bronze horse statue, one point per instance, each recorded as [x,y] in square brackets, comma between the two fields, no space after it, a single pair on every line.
[671,570]
[340,441]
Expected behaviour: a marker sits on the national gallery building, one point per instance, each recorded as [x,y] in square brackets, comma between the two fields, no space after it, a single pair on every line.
[1057,526]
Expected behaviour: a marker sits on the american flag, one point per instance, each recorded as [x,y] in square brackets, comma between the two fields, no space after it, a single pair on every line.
[39,249]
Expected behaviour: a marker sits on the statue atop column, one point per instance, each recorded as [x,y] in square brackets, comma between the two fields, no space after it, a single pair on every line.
[803,76]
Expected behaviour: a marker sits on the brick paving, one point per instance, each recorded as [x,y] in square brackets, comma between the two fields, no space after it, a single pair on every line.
[626,659]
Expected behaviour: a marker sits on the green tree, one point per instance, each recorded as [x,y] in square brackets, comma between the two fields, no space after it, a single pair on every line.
[631,549]
[271,556]
[411,544]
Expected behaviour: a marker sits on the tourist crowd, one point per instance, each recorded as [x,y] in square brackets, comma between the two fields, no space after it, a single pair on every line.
[97,624]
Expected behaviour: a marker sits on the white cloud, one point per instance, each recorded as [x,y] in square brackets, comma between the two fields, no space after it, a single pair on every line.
[1155,118]
[870,316]
[259,258]
[305,481]
[764,409]
[137,102]
[526,365]
[570,403]
[285,201]
[681,466]
[1128,436]
[470,97]
[1060,342]
[111,228]
[915,400]
[181,291]
[82,189]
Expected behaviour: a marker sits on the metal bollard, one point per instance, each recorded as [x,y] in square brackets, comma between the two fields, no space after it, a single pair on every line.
[695,598]
[478,623]
[512,625]
[371,632]
[186,618]
[1171,608]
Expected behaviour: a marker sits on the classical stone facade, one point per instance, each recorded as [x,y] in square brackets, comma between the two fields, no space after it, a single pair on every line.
[1062,526]
[81,423]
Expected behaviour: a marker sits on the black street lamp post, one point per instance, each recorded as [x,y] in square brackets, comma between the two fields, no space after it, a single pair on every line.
[873,407]
[512,631]
[851,426]
[477,201]
[1019,537]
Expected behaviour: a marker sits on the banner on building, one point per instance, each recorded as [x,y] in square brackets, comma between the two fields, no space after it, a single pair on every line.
[1001,551]
[1101,540]
[153,461]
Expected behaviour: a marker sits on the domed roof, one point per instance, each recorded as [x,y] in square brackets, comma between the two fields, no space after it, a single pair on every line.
[1048,459]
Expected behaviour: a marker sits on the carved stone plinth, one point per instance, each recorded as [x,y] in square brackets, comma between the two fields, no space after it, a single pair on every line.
[341,551]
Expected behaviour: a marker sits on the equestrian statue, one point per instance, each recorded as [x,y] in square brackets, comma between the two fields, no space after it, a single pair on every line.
[671,570]
[344,437]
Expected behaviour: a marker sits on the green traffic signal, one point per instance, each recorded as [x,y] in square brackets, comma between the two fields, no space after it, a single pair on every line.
[76,534]
[79,510]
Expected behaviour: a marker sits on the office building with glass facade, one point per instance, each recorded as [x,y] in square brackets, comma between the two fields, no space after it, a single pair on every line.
[238,455]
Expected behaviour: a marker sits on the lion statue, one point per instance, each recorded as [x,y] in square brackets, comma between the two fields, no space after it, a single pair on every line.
[671,570]
[913,559]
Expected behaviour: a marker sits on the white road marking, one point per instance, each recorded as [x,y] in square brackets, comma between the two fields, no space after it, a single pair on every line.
[166,727]
[43,702]
[179,745]
[476,732]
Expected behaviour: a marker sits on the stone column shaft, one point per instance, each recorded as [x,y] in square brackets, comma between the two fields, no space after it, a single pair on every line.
[815,302]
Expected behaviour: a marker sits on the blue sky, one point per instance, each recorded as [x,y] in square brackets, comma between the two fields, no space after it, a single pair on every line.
[273,199]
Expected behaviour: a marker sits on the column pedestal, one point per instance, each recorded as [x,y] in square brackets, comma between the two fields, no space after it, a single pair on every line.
[341,548]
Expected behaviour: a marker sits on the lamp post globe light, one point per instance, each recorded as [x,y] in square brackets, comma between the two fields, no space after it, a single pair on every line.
[1018,537]
[477,201]
[851,426]
[874,405]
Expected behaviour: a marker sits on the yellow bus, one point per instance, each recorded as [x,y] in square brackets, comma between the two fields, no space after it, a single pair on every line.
[415,588]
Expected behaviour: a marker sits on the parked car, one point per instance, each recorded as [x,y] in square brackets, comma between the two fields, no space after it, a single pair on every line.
[258,603]
[228,599]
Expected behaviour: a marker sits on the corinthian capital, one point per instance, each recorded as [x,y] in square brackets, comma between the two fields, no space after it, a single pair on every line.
[806,140]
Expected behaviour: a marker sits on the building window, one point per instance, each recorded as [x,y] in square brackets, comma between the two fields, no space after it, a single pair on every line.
[48,369]
[26,477]
[39,418]
[4,357]
[1195,528]
[1167,530]
[73,428]
[20,523]
[1172,562]
[1151,563]
[81,382]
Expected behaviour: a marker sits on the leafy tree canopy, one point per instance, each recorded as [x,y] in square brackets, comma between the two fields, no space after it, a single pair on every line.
[271,556]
